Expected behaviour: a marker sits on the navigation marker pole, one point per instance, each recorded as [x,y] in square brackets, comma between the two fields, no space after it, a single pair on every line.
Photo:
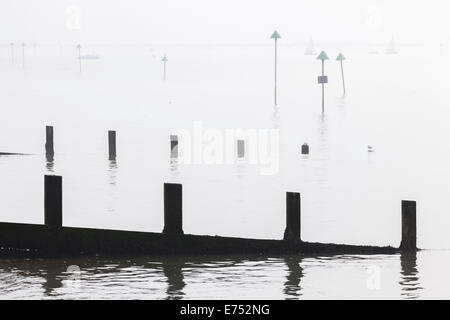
[79,54]
[12,52]
[164,60]
[341,58]
[23,54]
[323,78]
[275,35]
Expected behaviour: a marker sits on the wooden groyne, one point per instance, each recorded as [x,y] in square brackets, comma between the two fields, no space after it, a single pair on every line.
[33,240]
[54,240]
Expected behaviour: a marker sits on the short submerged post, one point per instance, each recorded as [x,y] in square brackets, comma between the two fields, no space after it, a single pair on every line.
[173,146]
[409,227]
[305,148]
[49,149]
[241,148]
[173,208]
[53,201]
[292,232]
[112,144]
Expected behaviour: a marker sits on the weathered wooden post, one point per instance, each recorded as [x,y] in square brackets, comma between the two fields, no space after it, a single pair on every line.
[241,148]
[53,201]
[292,232]
[305,148]
[49,150]
[112,144]
[173,146]
[409,227]
[173,208]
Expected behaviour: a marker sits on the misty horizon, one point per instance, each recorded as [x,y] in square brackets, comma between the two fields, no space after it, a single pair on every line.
[213,22]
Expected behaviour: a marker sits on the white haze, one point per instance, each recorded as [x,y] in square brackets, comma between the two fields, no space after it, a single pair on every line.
[231,21]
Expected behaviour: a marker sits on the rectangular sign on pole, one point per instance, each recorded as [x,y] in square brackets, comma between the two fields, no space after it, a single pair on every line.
[322,79]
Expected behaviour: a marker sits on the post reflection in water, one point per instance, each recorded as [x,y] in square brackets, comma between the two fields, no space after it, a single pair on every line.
[341,103]
[276,117]
[241,169]
[112,172]
[323,128]
[173,270]
[409,276]
[174,166]
[292,288]
[50,163]
[321,165]
[180,277]
[112,192]
[44,275]
[241,172]
[53,279]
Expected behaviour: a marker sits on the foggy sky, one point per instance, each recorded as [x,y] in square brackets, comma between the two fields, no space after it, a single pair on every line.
[225,21]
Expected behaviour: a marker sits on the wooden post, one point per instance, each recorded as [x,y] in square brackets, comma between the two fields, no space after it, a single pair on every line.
[409,228]
[241,148]
[173,146]
[49,150]
[292,232]
[173,208]
[112,144]
[53,201]
[305,148]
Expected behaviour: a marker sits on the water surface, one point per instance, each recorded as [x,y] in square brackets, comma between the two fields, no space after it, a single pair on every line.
[396,103]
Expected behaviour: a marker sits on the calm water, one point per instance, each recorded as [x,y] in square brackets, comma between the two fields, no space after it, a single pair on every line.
[396,103]
[230,277]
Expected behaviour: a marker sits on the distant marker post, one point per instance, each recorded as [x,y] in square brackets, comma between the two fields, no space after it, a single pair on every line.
[275,35]
[12,52]
[323,78]
[164,60]
[341,58]
[23,54]
[79,54]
